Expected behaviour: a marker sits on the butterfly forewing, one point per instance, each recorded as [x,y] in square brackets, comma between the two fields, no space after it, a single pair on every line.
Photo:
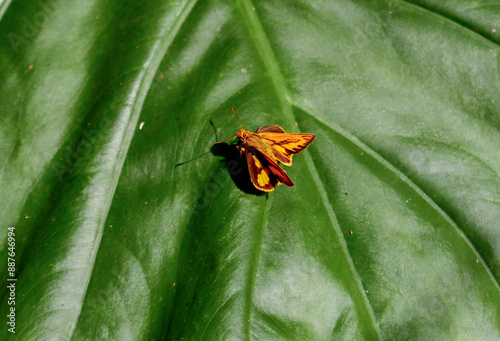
[285,145]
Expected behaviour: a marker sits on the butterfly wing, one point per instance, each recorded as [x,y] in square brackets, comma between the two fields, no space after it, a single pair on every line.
[279,173]
[285,145]
[271,129]
[264,172]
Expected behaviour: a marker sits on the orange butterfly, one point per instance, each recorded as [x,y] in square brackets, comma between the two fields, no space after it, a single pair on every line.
[263,150]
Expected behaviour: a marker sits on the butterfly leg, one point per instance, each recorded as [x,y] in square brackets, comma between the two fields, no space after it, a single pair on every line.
[241,150]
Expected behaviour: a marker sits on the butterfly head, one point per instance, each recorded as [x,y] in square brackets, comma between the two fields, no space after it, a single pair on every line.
[242,134]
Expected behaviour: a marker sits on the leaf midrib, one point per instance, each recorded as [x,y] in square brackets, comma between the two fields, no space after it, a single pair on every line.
[271,64]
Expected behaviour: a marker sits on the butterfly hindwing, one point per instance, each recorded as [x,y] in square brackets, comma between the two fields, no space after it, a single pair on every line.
[265,173]
[278,172]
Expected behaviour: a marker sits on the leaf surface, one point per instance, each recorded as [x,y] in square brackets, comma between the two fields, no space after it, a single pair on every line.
[130,226]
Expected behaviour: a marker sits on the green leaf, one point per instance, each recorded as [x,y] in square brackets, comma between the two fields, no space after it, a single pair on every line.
[129,225]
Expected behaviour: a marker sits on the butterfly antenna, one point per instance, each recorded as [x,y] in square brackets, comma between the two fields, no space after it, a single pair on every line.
[237,118]
[226,140]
